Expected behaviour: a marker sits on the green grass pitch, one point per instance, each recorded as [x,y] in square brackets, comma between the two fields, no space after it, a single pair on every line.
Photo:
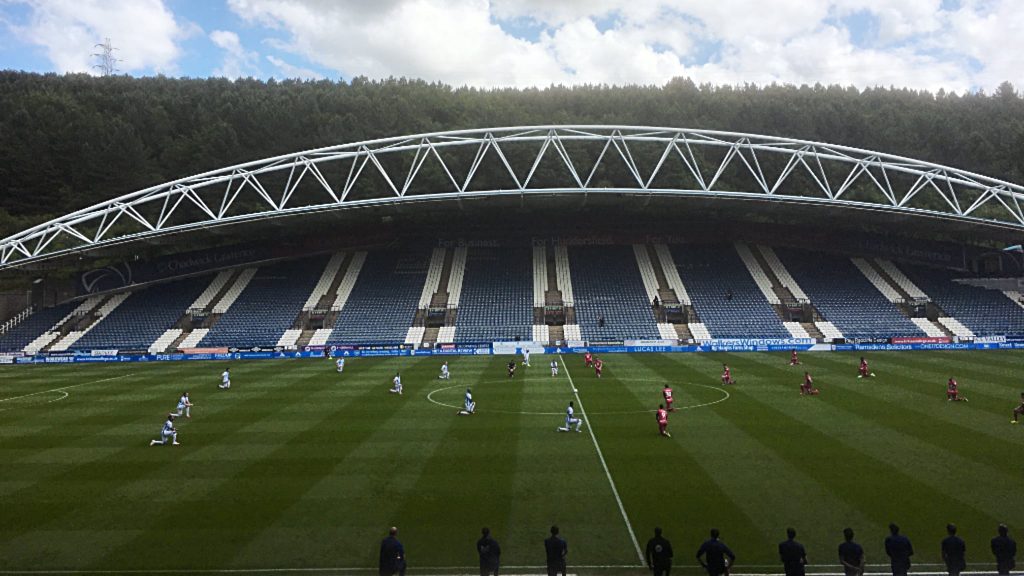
[300,467]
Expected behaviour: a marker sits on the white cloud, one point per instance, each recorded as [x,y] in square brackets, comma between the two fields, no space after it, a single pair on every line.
[238,62]
[291,71]
[145,33]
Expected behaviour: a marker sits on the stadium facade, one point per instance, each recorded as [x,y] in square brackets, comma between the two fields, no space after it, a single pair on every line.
[565,236]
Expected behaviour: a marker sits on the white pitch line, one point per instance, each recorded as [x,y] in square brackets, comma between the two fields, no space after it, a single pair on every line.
[607,473]
[63,388]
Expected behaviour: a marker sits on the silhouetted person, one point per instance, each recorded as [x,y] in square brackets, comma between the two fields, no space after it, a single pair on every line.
[899,549]
[490,553]
[659,554]
[792,554]
[656,302]
[728,296]
[392,555]
[851,555]
[954,552]
[556,549]
[1005,551]
[600,321]
[712,555]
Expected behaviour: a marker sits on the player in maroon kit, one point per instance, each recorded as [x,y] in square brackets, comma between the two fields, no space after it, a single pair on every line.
[727,375]
[863,371]
[588,360]
[793,360]
[807,388]
[598,365]
[662,418]
[1018,410]
[953,391]
[667,393]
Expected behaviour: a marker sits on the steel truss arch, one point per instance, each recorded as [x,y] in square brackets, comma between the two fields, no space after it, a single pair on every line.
[676,163]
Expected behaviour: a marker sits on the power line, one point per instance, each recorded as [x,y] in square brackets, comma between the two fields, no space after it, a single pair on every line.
[107,63]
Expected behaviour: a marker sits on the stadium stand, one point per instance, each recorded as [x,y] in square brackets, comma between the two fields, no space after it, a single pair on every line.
[69,341]
[290,337]
[571,332]
[883,286]
[203,301]
[34,326]
[780,271]
[699,331]
[415,334]
[457,276]
[668,266]
[796,330]
[902,280]
[496,302]
[929,329]
[433,279]
[349,281]
[829,330]
[165,340]
[955,327]
[446,335]
[324,283]
[320,336]
[540,276]
[142,318]
[381,304]
[667,331]
[760,278]
[563,275]
[643,261]
[266,304]
[846,298]
[194,338]
[541,333]
[724,294]
[610,300]
[983,311]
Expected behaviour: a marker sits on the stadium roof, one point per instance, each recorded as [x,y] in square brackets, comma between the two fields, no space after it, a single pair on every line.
[632,167]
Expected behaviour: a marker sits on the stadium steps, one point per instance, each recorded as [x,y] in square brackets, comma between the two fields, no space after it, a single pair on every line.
[165,340]
[290,337]
[699,331]
[828,330]
[234,291]
[812,330]
[305,337]
[319,337]
[782,277]
[344,290]
[648,277]
[880,283]
[540,276]
[430,335]
[929,328]
[667,331]
[177,342]
[329,279]
[955,327]
[758,273]
[215,290]
[781,290]
[440,296]
[89,322]
[564,276]
[438,259]
[797,330]
[556,334]
[683,332]
[667,265]
[193,338]
[903,284]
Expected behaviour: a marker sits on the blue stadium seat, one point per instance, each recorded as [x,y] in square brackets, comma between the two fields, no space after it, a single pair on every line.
[986,312]
[384,300]
[143,316]
[267,306]
[710,273]
[33,327]
[606,282]
[497,296]
[845,297]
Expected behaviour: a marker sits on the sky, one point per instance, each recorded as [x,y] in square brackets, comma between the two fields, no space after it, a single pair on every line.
[955,45]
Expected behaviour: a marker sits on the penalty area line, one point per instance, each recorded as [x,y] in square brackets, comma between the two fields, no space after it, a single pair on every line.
[607,473]
[62,389]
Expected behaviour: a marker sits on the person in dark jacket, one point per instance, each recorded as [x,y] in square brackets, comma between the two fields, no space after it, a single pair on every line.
[714,555]
[490,553]
[392,555]
[659,554]
[851,555]
[555,549]
[899,549]
[1005,551]
[792,554]
[954,552]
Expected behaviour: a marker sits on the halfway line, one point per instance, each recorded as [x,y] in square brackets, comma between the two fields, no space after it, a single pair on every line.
[600,456]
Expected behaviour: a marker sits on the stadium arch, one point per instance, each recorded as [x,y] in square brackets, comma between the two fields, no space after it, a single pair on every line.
[531,161]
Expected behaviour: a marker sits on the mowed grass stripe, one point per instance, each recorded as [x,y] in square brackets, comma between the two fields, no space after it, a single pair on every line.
[752,457]
[919,476]
[668,482]
[154,478]
[270,482]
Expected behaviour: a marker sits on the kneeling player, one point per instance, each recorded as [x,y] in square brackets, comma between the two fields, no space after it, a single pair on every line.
[340,364]
[444,372]
[185,406]
[554,368]
[598,366]
[396,384]
[167,433]
[953,391]
[511,368]
[588,360]
[1018,410]
[662,418]
[225,379]
[727,375]
[667,393]
[862,371]
[470,405]
[807,388]
[571,419]
[793,360]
